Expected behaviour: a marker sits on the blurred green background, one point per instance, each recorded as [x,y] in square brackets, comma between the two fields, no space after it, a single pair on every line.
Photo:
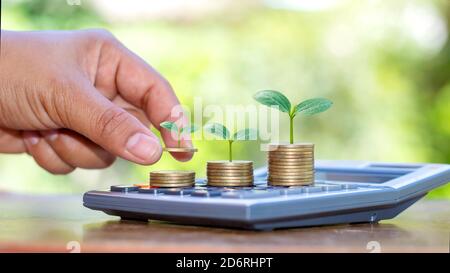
[385,64]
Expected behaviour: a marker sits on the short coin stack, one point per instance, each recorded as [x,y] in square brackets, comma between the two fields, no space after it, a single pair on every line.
[172,179]
[291,164]
[236,173]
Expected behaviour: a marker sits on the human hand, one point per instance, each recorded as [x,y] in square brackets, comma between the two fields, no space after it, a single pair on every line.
[79,99]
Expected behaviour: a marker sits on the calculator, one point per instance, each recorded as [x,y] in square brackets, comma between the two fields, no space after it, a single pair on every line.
[343,192]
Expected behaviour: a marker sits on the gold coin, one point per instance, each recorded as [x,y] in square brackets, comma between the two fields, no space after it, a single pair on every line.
[180,150]
[301,156]
[306,154]
[291,169]
[229,172]
[276,149]
[230,179]
[280,156]
[291,173]
[296,162]
[291,184]
[175,186]
[234,186]
[229,176]
[230,184]
[184,184]
[296,155]
[288,175]
[172,181]
[172,176]
[291,163]
[227,169]
[172,172]
[300,146]
[168,183]
[290,154]
[300,159]
[290,180]
[229,163]
[286,180]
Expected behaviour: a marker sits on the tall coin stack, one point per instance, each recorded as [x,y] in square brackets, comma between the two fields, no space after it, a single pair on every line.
[172,179]
[236,173]
[291,164]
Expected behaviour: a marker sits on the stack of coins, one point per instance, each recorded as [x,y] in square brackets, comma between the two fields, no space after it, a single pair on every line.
[230,173]
[172,179]
[291,164]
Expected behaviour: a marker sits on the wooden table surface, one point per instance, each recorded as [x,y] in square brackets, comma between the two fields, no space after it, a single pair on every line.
[61,224]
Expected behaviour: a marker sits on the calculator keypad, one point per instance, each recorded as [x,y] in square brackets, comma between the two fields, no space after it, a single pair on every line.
[259,190]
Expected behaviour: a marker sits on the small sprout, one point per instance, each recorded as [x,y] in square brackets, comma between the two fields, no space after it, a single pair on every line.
[171,126]
[277,100]
[222,132]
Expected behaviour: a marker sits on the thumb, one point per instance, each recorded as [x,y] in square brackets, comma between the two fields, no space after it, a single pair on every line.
[117,131]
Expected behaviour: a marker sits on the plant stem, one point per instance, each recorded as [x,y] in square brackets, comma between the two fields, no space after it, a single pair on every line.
[291,127]
[179,139]
[230,150]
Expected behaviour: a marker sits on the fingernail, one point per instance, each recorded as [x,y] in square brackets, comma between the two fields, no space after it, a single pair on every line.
[144,147]
[51,135]
[32,138]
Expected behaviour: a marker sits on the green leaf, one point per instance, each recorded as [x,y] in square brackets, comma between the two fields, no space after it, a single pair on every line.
[189,129]
[312,106]
[169,126]
[218,130]
[273,98]
[245,134]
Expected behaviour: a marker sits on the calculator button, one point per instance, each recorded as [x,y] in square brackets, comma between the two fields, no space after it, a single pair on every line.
[289,191]
[200,182]
[332,188]
[180,192]
[260,181]
[311,189]
[349,186]
[152,190]
[124,188]
[206,193]
[250,194]
[147,190]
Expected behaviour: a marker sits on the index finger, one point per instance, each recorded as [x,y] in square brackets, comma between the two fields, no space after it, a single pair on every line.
[141,85]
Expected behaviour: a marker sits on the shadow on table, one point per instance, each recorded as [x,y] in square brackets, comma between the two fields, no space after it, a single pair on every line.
[167,237]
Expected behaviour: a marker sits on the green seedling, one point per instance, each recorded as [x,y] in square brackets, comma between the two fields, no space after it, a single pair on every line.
[277,100]
[223,133]
[171,126]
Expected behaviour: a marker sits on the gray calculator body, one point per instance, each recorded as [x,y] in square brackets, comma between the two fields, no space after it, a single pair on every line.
[343,192]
